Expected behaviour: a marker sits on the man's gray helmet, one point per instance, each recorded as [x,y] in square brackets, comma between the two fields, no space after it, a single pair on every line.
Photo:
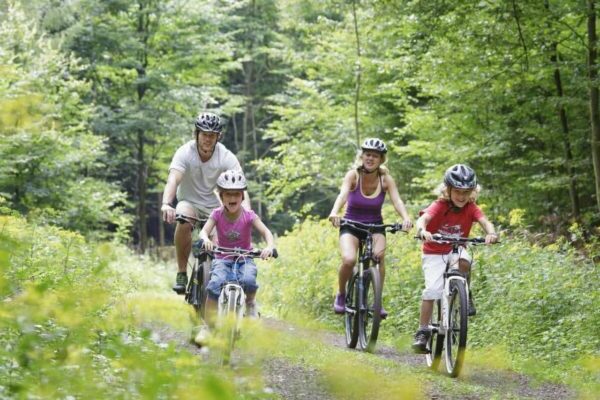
[209,122]
[460,176]
[375,145]
[232,180]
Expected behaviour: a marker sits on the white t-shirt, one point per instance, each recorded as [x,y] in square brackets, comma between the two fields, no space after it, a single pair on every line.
[200,178]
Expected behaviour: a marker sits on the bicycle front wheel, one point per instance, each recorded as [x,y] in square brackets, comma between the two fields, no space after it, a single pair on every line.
[369,316]
[351,313]
[435,345]
[456,337]
[230,324]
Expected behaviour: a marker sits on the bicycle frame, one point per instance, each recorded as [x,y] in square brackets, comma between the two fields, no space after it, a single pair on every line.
[452,273]
[449,335]
[232,293]
[363,316]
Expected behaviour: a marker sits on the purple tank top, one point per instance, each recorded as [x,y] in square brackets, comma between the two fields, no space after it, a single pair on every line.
[364,209]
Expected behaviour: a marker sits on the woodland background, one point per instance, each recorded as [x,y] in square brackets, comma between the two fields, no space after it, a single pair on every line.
[96,96]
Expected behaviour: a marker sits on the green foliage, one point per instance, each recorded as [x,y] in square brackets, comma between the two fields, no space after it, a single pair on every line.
[48,157]
[70,325]
[536,302]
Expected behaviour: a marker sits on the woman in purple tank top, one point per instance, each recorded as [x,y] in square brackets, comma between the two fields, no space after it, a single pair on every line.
[364,190]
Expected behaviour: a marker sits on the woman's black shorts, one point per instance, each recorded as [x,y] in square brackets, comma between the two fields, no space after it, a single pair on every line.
[361,235]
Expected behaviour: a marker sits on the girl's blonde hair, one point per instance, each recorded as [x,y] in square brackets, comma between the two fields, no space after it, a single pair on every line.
[443,192]
[358,165]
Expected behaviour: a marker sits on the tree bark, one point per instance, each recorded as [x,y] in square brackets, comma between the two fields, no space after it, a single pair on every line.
[562,114]
[594,95]
[358,74]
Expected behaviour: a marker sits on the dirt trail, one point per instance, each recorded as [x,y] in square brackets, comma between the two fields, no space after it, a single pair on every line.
[502,383]
[292,381]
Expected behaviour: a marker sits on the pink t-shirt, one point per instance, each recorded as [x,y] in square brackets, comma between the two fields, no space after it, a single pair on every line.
[234,234]
[445,221]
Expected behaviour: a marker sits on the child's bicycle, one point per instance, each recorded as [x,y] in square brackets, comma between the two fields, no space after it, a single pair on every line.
[449,320]
[232,298]
[363,291]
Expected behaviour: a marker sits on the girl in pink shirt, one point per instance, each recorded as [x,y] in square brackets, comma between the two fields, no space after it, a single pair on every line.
[234,226]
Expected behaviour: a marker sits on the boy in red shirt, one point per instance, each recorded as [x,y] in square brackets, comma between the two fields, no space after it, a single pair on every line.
[453,213]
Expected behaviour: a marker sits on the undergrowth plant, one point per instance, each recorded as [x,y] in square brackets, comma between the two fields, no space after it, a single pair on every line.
[535,302]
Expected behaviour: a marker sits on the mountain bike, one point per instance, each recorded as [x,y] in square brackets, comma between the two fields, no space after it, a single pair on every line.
[362,316]
[232,298]
[449,320]
[195,292]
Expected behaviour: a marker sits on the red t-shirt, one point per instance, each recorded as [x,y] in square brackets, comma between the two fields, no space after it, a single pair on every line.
[445,221]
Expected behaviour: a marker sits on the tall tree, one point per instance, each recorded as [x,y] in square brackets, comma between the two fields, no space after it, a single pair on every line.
[594,93]
[154,65]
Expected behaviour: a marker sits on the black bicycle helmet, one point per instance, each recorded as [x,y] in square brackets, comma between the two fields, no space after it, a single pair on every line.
[375,145]
[460,176]
[209,122]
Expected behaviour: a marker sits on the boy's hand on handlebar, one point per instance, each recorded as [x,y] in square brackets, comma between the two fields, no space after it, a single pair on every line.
[426,235]
[335,220]
[208,245]
[491,238]
[266,252]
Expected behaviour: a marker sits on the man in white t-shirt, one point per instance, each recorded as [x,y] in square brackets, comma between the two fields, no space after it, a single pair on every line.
[193,175]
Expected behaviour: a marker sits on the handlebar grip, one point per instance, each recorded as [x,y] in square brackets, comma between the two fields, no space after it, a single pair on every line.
[275,254]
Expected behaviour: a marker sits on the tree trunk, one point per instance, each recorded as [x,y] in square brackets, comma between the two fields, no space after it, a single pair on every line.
[562,114]
[161,224]
[594,96]
[358,74]
[142,192]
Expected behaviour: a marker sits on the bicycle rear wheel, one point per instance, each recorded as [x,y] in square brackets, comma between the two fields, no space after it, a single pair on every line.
[369,316]
[435,345]
[351,314]
[456,337]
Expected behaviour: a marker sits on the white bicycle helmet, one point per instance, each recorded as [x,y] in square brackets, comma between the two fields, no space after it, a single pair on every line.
[209,122]
[374,144]
[232,180]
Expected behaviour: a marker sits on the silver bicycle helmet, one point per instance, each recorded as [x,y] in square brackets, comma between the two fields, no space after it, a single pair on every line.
[232,180]
[375,145]
[209,122]
[460,176]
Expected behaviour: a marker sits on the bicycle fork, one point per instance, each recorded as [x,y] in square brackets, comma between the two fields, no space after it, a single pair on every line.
[451,275]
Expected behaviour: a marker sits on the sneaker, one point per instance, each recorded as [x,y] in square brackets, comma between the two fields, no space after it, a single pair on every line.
[339,305]
[201,338]
[180,283]
[252,310]
[471,308]
[383,313]
[421,338]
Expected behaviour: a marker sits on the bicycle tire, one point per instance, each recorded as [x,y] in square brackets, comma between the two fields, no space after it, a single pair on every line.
[230,325]
[456,337]
[351,313]
[205,267]
[435,344]
[369,316]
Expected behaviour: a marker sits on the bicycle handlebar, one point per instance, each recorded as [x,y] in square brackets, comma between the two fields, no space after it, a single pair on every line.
[392,228]
[454,239]
[234,252]
[189,219]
